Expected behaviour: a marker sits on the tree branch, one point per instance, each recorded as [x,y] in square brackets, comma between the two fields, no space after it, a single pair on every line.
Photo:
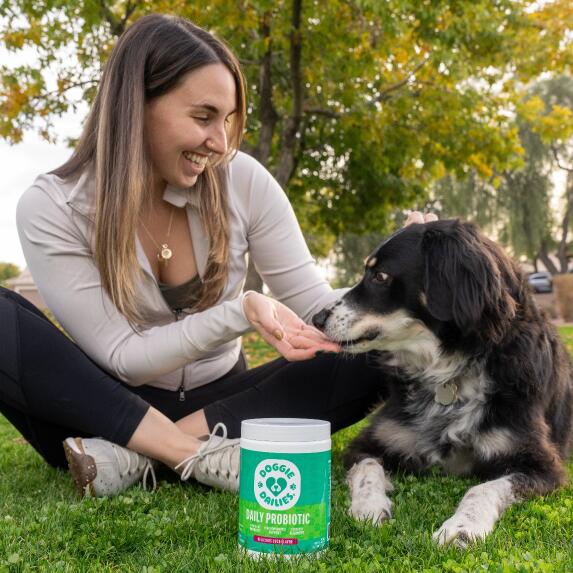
[557,160]
[71,86]
[394,87]
[325,112]
[116,24]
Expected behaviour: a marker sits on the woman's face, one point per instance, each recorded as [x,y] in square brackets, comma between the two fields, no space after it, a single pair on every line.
[188,125]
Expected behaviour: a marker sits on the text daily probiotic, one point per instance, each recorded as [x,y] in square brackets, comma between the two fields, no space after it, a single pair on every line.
[284,505]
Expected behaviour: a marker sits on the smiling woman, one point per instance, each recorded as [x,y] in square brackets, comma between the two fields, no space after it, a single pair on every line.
[138,245]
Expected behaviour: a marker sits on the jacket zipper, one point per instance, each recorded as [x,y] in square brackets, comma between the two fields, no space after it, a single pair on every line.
[178,312]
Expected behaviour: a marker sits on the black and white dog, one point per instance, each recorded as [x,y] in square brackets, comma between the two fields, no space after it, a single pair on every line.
[480,383]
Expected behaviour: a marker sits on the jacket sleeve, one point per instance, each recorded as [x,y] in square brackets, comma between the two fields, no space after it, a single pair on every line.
[276,243]
[63,268]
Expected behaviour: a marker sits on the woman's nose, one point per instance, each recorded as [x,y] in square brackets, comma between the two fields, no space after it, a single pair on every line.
[217,140]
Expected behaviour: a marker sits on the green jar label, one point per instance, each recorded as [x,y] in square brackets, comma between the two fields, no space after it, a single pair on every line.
[284,504]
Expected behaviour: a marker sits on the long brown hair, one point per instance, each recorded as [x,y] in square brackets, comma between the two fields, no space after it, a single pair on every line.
[150,58]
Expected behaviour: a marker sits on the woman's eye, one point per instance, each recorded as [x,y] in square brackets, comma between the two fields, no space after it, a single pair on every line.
[202,119]
[381,277]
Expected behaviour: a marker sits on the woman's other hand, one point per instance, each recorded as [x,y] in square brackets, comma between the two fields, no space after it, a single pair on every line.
[283,329]
[418,217]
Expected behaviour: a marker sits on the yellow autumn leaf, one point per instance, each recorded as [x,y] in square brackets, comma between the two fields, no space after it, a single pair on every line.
[477,160]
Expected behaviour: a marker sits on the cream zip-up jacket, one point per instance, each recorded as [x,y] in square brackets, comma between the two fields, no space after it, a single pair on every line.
[55,221]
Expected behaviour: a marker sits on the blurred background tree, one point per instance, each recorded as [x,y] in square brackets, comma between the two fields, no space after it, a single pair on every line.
[360,108]
[8,271]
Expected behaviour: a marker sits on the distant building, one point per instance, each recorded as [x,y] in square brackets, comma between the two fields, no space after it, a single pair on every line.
[25,286]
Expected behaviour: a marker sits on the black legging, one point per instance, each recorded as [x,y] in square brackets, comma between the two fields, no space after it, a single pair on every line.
[50,389]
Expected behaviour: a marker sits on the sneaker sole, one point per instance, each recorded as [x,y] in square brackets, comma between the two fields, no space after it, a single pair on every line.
[82,466]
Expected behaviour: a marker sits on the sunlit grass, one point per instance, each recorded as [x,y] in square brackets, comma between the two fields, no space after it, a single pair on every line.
[186,527]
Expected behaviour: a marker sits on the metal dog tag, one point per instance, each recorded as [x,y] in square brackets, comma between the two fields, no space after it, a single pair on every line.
[445,394]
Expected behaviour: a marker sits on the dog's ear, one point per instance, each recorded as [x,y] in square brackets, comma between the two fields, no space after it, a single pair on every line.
[465,280]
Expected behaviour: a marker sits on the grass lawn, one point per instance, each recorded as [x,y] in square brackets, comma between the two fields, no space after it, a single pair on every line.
[187,527]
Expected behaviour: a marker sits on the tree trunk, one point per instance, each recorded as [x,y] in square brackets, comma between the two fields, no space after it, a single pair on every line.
[562,249]
[290,137]
[267,112]
[544,256]
[286,162]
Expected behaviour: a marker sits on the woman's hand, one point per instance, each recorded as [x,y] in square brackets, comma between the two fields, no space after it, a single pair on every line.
[418,217]
[283,329]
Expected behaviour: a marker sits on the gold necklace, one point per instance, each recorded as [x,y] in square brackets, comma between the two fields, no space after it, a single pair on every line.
[165,253]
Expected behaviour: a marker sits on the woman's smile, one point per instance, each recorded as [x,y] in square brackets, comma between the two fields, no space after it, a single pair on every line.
[194,163]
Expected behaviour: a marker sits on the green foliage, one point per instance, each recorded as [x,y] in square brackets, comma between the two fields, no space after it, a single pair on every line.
[8,271]
[392,95]
[566,333]
[546,125]
[349,254]
[516,204]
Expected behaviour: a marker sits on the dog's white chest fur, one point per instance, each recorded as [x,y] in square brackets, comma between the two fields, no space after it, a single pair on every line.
[453,425]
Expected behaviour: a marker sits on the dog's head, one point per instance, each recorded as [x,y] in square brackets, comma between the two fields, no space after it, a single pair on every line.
[427,282]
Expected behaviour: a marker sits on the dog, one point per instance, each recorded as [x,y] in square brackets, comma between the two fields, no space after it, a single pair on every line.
[479,381]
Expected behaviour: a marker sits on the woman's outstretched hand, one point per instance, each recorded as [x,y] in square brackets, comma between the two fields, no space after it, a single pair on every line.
[283,329]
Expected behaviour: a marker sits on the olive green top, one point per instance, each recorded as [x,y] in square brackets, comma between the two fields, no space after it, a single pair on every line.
[184,295]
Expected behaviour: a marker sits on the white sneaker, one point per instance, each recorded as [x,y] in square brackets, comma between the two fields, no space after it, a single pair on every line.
[100,468]
[216,463]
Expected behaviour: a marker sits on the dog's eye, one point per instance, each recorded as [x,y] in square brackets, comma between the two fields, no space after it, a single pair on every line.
[381,277]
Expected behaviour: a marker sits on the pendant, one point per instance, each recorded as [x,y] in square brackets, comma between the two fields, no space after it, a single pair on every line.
[446,394]
[165,254]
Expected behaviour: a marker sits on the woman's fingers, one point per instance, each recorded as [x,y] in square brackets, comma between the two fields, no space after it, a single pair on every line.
[314,334]
[419,217]
[414,217]
[286,349]
[296,346]
[303,342]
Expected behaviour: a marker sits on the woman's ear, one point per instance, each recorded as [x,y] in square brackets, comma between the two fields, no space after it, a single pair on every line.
[463,282]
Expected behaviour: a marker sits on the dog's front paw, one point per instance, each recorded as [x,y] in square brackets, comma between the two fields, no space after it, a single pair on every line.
[460,531]
[368,485]
[376,508]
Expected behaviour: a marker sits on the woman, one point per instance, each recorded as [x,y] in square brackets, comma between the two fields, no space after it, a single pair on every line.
[137,244]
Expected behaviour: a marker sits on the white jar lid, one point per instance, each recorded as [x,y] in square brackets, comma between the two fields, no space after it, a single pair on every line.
[285,430]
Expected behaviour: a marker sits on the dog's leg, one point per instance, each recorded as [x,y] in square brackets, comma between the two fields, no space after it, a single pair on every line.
[477,513]
[368,486]
[483,505]
[367,457]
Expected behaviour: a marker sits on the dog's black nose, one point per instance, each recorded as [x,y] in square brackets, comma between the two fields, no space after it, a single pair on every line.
[320,318]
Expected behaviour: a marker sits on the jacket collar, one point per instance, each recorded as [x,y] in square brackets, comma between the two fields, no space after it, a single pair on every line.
[82,196]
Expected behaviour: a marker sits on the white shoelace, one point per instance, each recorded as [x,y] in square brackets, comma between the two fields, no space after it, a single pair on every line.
[127,456]
[215,457]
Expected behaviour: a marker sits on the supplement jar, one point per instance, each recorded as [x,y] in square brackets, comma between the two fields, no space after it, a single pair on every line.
[284,504]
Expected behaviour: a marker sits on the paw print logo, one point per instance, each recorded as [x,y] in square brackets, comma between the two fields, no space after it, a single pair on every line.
[260,484]
[293,486]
